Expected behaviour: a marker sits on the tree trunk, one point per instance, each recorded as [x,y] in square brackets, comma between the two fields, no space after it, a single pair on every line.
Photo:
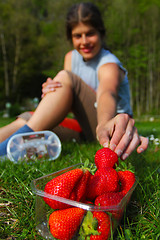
[16,61]
[137,92]
[6,78]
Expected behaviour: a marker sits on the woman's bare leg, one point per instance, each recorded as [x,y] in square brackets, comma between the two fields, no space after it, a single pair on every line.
[11,128]
[54,106]
[50,112]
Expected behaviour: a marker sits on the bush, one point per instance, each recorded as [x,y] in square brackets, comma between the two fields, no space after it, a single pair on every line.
[14,110]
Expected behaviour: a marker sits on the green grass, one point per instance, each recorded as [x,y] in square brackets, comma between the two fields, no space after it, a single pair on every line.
[141,219]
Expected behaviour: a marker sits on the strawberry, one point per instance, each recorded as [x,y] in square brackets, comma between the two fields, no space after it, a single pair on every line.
[62,186]
[127,179]
[103,226]
[111,199]
[105,157]
[64,223]
[104,180]
[95,225]
[79,191]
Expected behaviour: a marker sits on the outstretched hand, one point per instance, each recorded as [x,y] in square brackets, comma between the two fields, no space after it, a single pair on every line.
[121,135]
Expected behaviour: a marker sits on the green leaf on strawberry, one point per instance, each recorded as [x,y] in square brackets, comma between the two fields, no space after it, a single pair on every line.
[89,225]
[96,225]
[89,166]
[124,165]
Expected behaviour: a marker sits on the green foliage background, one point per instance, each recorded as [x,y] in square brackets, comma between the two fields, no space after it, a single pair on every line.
[33,45]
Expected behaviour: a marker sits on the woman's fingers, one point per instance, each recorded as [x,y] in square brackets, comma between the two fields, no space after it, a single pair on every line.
[125,138]
[135,141]
[111,133]
[50,87]
[141,142]
[46,82]
[51,84]
[144,141]
[120,134]
[103,138]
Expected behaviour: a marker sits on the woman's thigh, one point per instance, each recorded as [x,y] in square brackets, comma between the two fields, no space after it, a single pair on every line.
[83,106]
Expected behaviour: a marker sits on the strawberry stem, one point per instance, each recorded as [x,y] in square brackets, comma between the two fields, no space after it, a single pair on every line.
[89,226]
[123,166]
[89,166]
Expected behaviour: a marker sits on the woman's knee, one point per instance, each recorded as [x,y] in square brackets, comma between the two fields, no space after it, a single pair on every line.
[63,77]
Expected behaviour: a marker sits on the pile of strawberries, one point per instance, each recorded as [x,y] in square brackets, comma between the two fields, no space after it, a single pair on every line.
[107,186]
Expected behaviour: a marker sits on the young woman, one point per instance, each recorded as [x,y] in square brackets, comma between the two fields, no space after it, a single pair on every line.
[93,85]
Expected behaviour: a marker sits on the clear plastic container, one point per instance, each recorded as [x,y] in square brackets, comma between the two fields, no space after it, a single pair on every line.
[42,210]
[30,146]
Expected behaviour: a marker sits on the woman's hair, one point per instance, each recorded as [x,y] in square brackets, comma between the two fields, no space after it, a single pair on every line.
[86,13]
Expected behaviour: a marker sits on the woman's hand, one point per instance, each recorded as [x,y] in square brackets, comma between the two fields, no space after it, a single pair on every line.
[121,135]
[50,86]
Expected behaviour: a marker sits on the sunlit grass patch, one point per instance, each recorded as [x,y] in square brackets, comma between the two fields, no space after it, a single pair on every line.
[141,219]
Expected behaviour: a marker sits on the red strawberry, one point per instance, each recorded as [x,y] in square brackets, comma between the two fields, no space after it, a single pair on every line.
[105,157]
[104,180]
[95,225]
[65,223]
[62,186]
[111,199]
[103,226]
[79,191]
[88,202]
[127,179]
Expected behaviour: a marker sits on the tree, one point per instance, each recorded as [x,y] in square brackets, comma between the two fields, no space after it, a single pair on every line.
[33,46]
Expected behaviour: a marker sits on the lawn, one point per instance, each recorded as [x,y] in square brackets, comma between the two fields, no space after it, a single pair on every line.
[141,219]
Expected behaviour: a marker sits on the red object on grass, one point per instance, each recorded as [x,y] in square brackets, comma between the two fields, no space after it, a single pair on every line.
[71,124]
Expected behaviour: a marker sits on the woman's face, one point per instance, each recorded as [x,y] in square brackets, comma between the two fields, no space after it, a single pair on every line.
[86,40]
